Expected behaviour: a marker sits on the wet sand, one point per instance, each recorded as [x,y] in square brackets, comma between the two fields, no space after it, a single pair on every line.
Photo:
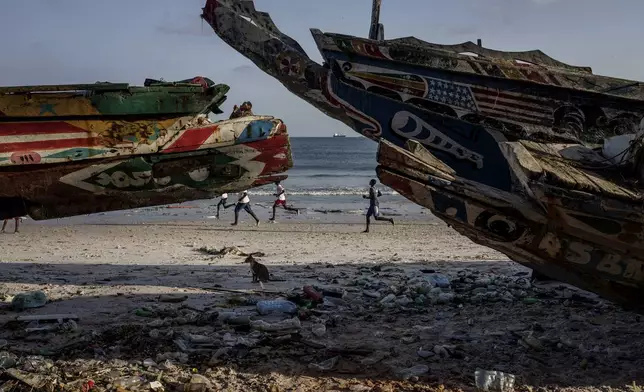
[105,273]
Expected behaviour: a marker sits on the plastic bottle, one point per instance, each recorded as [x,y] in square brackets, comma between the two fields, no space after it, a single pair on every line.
[276,306]
[438,280]
[490,380]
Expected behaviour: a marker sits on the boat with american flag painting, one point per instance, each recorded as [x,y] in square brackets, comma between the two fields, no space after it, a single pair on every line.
[538,159]
[78,149]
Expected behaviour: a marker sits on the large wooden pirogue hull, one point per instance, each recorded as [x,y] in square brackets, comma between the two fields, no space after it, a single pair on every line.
[556,234]
[585,230]
[205,161]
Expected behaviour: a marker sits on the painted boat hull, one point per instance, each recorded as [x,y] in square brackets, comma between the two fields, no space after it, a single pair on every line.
[459,165]
[205,161]
[68,123]
[516,226]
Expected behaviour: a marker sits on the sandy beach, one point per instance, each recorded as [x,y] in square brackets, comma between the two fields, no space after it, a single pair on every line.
[547,334]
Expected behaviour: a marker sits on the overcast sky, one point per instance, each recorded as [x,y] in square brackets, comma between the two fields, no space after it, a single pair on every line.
[84,41]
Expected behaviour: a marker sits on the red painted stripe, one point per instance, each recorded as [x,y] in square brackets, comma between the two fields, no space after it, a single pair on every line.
[51,144]
[518,97]
[38,128]
[191,139]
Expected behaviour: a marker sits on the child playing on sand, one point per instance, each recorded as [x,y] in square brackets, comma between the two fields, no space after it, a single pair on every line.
[17,222]
[244,204]
[222,202]
[280,192]
[374,206]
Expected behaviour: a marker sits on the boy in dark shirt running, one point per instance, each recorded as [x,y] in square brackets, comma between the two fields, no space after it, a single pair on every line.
[244,204]
[222,203]
[374,205]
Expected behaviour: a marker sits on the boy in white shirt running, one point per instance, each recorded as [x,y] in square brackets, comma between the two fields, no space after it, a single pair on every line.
[244,204]
[280,192]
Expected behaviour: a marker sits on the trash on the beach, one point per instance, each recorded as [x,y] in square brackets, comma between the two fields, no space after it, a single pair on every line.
[156,386]
[29,300]
[414,371]
[438,280]
[441,351]
[199,346]
[325,365]
[311,293]
[529,341]
[319,330]
[49,322]
[494,381]
[128,382]
[234,318]
[229,250]
[7,360]
[530,301]
[371,294]
[36,381]
[144,313]
[149,362]
[388,298]
[170,298]
[287,324]
[198,383]
[444,298]
[276,306]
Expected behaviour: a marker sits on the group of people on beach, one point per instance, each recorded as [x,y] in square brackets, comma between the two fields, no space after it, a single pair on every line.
[243,203]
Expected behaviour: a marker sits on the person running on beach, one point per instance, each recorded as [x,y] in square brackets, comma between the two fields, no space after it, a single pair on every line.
[222,202]
[17,222]
[374,206]
[280,192]
[244,204]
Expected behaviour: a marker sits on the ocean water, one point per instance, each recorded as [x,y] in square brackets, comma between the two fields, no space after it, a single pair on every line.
[327,181]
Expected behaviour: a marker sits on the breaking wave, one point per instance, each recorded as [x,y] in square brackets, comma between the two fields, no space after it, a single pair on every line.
[322,192]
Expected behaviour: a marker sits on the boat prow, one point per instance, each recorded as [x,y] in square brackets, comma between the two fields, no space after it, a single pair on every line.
[590,238]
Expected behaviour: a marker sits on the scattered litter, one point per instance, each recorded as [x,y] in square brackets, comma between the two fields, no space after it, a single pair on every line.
[414,371]
[29,300]
[325,365]
[494,381]
[276,306]
[172,298]
[230,250]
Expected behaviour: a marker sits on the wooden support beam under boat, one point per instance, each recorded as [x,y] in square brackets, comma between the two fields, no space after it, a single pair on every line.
[376,31]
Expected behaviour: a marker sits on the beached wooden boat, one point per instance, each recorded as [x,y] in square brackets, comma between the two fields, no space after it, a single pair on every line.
[520,152]
[566,220]
[79,149]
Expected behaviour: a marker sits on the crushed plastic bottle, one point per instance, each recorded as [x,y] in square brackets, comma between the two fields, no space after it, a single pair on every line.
[438,280]
[494,381]
[262,325]
[276,306]
[414,371]
[29,300]
[128,382]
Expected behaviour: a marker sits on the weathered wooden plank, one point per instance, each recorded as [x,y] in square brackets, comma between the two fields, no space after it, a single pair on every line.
[48,317]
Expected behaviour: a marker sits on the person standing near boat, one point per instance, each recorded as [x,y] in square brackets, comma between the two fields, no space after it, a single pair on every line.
[280,192]
[16,223]
[374,205]
[243,203]
[222,202]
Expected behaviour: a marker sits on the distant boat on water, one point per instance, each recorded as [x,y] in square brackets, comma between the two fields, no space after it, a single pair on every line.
[339,135]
